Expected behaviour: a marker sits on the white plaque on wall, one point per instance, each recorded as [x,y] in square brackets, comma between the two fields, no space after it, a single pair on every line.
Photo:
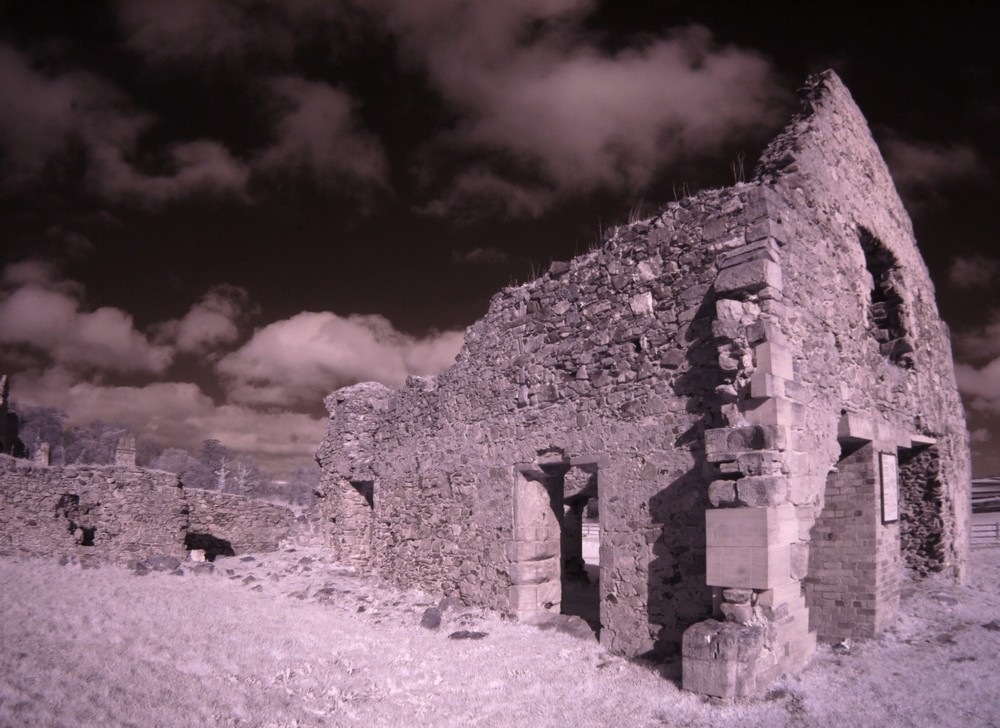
[890,487]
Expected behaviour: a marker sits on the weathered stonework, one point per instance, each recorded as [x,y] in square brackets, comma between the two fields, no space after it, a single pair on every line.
[124,513]
[247,524]
[729,379]
[108,512]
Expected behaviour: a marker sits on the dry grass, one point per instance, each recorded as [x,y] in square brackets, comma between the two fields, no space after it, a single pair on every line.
[313,644]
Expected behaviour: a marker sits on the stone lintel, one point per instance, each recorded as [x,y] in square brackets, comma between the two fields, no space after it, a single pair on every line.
[888,435]
[854,427]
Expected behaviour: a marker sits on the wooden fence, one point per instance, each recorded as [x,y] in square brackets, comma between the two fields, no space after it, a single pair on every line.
[985,529]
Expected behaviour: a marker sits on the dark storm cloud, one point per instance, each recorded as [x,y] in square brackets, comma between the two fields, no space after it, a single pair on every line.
[44,116]
[196,31]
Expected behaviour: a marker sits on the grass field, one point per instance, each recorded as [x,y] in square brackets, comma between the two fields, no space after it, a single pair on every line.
[291,639]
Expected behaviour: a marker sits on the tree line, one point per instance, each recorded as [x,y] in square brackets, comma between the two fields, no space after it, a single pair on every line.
[216,467]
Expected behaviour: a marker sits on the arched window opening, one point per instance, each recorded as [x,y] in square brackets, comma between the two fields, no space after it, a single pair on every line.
[888,316]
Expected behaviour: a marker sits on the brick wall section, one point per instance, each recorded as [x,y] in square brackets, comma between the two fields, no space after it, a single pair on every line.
[248,524]
[50,511]
[853,590]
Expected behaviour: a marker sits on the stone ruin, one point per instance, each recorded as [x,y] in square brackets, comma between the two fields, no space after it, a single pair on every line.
[755,388]
[121,512]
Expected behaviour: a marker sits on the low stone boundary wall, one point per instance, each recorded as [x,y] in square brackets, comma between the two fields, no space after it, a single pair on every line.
[124,514]
[90,510]
[245,524]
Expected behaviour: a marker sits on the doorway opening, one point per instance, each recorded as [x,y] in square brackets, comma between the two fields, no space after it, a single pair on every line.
[355,520]
[557,536]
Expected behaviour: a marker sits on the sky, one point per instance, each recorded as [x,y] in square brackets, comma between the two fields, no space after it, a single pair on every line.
[214,213]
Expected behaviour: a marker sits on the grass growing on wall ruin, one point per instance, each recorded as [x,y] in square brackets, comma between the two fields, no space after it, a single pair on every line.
[281,641]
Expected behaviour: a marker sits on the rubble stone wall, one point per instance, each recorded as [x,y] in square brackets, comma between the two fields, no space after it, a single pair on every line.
[247,524]
[113,513]
[708,365]
[609,360]
[123,514]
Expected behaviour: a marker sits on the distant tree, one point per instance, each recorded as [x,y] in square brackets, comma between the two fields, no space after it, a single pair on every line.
[175,460]
[146,451]
[92,444]
[216,461]
[247,477]
[43,424]
[301,488]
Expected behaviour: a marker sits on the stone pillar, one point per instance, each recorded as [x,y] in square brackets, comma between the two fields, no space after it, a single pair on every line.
[41,455]
[535,571]
[753,534]
[125,452]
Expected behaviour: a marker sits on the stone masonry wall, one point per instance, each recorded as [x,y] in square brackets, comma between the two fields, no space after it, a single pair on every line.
[608,361]
[123,514]
[846,362]
[247,524]
[103,511]
[706,366]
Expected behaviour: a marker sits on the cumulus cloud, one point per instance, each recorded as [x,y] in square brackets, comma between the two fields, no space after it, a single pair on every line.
[318,132]
[981,386]
[920,168]
[47,315]
[973,271]
[211,323]
[530,84]
[303,358]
